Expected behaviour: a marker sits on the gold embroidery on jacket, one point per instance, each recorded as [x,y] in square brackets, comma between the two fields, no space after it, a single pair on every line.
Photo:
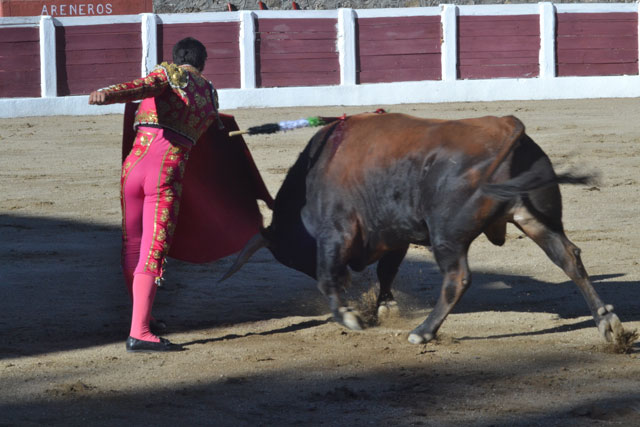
[178,77]
[193,120]
[146,118]
[165,215]
[200,101]
[186,107]
[168,195]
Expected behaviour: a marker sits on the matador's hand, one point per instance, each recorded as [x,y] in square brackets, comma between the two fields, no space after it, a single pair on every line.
[96,97]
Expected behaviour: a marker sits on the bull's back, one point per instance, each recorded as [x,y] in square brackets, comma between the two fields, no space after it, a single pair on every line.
[374,142]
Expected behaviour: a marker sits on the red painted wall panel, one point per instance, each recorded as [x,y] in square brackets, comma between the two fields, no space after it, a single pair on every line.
[498,46]
[597,44]
[94,56]
[600,56]
[223,50]
[296,52]
[315,78]
[499,71]
[509,25]
[398,28]
[398,49]
[19,62]
[280,27]
[583,70]
[514,57]
[401,47]
[279,66]
[400,62]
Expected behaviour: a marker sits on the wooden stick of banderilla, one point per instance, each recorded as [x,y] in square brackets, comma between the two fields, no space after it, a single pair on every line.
[287,125]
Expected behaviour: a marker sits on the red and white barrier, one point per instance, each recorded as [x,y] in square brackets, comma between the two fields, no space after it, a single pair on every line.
[269,58]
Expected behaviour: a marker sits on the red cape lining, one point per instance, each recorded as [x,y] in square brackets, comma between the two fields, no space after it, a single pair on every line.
[218,211]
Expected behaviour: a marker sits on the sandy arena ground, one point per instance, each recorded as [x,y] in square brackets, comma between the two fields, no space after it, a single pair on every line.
[519,349]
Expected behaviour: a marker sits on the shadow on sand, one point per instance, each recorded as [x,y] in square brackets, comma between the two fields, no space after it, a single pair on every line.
[394,395]
[61,288]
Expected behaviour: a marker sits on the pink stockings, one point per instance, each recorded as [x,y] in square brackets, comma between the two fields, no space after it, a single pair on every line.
[142,291]
[151,190]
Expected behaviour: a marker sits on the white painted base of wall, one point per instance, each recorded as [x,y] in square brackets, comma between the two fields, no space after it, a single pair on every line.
[59,106]
[366,94]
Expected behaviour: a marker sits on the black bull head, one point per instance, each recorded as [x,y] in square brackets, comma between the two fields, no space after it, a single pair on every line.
[366,187]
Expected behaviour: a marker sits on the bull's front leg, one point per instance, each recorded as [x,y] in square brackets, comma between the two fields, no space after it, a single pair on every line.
[333,277]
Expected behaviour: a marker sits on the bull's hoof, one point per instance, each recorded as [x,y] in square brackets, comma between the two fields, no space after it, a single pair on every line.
[350,318]
[609,324]
[606,309]
[387,309]
[417,338]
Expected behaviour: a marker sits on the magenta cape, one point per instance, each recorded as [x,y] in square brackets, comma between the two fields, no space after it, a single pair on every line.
[219,210]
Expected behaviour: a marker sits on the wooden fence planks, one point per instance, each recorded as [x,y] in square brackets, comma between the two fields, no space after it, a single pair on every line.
[498,46]
[398,49]
[94,56]
[19,62]
[597,44]
[296,52]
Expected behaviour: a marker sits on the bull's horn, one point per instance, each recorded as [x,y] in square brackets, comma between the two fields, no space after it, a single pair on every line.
[256,242]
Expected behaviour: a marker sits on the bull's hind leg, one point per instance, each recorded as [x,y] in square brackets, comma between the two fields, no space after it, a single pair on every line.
[566,255]
[457,278]
[333,277]
[386,270]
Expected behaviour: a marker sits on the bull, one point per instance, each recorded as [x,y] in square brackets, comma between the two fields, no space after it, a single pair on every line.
[368,186]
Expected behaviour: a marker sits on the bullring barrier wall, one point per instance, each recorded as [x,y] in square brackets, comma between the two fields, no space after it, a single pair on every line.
[352,57]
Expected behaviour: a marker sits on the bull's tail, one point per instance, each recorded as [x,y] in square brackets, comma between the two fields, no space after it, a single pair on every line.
[509,143]
[532,180]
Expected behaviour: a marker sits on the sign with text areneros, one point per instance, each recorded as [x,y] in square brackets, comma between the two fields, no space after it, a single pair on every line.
[62,8]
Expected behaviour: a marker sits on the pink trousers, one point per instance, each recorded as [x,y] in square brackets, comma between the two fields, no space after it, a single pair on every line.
[150,196]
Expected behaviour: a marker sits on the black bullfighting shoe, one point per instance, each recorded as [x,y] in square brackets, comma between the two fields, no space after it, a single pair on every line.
[135,345]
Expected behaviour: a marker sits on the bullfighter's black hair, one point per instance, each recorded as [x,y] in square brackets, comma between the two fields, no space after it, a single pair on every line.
[190,51]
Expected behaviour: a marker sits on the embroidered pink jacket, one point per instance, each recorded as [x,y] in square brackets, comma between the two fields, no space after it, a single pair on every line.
[173,97]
